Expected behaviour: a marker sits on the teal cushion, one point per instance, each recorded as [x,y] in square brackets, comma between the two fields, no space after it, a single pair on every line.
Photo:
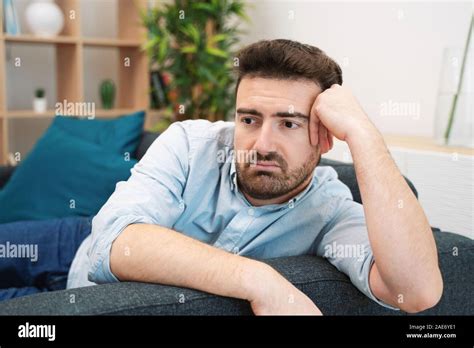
[120,134]
[64,175]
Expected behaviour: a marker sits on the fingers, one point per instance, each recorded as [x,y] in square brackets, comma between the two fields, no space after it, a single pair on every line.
[313,130]
[319,134]
[323,139]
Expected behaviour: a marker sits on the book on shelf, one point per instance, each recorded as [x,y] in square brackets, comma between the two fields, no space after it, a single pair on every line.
[11,23]
[158,90]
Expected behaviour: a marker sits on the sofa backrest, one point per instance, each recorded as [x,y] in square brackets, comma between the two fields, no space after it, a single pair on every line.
[346,173]
[147,139]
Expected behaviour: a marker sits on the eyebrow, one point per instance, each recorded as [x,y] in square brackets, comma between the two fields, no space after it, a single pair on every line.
[277,114]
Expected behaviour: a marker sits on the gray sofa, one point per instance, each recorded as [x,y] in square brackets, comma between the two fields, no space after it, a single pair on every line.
[324,284]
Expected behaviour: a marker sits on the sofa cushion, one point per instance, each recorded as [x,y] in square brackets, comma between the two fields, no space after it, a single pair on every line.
[63,175]
[121,134]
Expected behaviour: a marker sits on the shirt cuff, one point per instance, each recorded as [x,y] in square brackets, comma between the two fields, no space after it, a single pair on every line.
[369,293]
[100,271]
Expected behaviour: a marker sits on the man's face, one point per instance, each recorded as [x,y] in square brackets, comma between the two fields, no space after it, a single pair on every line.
[272,120]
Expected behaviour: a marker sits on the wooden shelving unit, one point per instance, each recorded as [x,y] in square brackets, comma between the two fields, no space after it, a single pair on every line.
[133,78]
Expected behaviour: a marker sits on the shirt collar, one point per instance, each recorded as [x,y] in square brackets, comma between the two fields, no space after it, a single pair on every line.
[233,173]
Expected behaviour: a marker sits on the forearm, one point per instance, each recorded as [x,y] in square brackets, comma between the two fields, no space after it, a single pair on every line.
[154,254]
[399,232]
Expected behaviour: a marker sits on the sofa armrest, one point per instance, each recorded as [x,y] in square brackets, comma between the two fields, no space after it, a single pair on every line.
[313,275]
[5,174]
[331,290]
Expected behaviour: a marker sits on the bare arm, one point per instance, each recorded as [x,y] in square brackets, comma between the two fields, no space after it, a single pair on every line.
[155,254]
[406,272]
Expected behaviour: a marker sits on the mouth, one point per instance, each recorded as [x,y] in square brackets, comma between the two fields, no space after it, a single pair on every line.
[265,165]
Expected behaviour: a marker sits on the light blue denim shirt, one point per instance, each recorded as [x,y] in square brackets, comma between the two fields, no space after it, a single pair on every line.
[187,182]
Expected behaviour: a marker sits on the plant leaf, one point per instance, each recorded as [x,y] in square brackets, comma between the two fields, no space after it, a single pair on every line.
[189,49]
[216,52]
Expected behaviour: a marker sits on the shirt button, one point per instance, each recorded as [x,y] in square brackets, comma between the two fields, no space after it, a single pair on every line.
[235,250]
[181,205]
[250,212]
[291,205]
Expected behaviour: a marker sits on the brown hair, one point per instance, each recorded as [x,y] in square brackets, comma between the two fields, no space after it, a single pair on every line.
[286,59]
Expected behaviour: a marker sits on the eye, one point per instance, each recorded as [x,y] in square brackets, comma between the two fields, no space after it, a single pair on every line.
[290,125]
[247,120]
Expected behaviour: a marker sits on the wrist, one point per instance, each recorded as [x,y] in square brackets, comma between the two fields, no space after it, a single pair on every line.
[363,135]
[257,278]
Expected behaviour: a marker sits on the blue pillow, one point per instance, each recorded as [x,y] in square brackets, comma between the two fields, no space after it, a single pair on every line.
[120,134]
[63,175]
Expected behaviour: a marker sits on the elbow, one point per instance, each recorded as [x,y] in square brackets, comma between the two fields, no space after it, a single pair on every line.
[426,298]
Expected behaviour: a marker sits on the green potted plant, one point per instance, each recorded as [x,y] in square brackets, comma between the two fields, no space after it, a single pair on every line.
[193,42]
[39,102]
[107,94]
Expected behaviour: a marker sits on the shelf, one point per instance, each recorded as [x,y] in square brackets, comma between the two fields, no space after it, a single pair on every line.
[27,114]
[99,113]
[156,112]
[114,112]
[100,42]
[41,40]
[415,143]
[424,144]
[104,42]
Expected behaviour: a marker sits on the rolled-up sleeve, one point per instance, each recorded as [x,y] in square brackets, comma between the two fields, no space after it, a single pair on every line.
[344,242]
[152,195]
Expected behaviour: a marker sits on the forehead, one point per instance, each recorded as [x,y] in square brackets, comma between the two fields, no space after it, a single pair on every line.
[258,92]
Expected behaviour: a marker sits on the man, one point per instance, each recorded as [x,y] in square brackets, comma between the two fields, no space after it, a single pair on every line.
[186,217]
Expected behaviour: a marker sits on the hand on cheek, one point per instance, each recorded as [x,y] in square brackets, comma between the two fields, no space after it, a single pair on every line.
[324,139]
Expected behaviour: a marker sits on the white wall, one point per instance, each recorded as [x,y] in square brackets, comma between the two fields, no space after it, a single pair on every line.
[389,51]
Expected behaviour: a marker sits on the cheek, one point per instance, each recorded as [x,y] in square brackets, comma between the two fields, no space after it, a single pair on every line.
[298,154]
[243,138]
[241,141]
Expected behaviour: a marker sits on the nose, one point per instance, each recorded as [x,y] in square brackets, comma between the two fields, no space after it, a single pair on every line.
[265,142]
